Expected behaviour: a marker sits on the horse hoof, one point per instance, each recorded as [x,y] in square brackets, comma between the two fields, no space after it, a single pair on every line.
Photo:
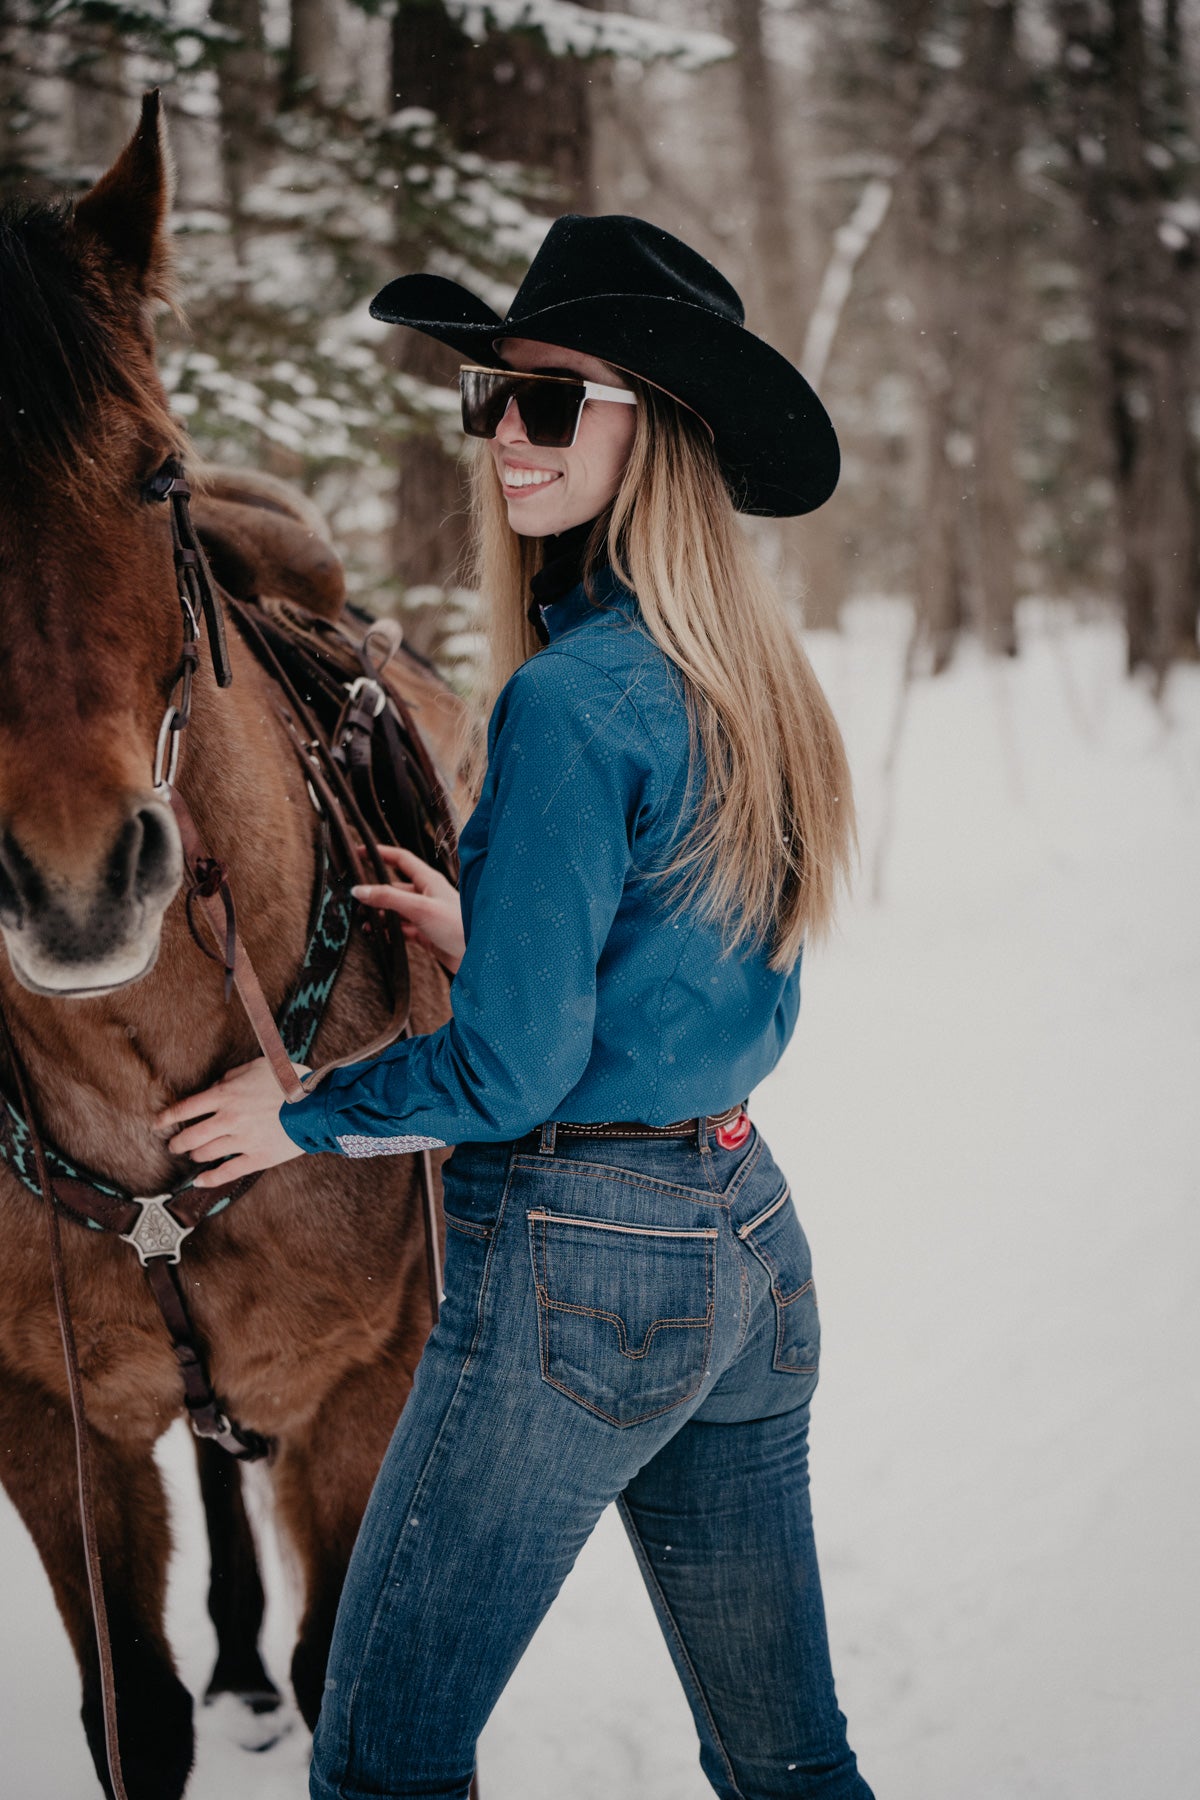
[255,1721]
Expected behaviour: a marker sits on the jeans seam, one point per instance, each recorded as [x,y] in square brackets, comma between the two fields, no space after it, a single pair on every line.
[743,1172]
[466,1227]
[744,1320]
[653,1582]
[424,1472]
[612,1172]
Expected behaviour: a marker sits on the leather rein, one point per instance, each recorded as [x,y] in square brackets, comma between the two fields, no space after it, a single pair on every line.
[352,824]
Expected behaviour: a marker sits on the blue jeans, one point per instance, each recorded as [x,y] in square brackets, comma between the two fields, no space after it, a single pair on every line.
[626,1320]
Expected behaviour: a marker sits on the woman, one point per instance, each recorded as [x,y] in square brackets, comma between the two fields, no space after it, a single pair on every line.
[664,815]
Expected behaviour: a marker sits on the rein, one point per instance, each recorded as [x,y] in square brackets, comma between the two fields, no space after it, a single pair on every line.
[340,778]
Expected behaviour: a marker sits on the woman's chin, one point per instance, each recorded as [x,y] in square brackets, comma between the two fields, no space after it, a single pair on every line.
[532,522]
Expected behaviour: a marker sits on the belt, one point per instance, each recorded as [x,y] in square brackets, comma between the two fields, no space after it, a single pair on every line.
[623,1128]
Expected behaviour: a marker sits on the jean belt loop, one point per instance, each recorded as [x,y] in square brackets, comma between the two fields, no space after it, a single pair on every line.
[549,1134]
[702,1143]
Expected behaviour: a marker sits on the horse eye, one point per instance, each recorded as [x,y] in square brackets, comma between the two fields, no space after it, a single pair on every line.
[163,480]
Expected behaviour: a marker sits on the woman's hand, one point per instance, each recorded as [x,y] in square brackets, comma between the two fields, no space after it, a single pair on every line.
[241,1122]
[428,905]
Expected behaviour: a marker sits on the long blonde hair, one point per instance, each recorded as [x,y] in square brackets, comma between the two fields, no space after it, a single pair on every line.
[773,836]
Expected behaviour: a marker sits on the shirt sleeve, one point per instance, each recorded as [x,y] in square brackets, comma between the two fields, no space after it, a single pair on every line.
[570,775]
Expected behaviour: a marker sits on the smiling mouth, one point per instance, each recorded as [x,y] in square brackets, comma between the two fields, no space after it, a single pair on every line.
[515,480]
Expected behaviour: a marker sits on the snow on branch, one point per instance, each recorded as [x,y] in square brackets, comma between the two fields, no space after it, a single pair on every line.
[570,30]
[850,241]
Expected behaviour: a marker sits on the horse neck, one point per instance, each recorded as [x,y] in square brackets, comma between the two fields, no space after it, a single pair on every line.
[170,1033]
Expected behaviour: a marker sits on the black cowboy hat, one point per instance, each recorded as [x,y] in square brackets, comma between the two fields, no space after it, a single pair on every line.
[629,293]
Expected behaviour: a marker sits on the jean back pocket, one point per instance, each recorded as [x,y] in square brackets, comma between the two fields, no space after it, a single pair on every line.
[776,1237]
[625,1312]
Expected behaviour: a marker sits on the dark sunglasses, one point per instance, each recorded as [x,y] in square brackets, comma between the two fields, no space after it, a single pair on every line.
[550,405]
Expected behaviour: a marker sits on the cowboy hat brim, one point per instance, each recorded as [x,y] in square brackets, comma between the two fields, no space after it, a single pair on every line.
[773,438]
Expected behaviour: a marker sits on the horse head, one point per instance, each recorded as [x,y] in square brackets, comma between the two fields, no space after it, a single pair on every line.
[91,631]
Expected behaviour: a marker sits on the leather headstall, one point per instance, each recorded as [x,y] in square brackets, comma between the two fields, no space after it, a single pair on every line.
[372,781]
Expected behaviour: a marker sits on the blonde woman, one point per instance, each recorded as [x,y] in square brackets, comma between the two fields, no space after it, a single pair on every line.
[664,818]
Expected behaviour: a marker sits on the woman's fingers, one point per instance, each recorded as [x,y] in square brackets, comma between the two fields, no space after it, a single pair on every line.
[429,907]
[233,1170]
[191,1108]
[413,868]
[399,858]
[403,900]
[245,1100]
[197,1137]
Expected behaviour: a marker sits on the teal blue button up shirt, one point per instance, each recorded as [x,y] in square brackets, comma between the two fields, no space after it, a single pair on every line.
[582,994]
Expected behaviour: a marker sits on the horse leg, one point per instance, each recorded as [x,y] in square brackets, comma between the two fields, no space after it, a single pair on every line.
[235,1590]
[323,1478]
[154,1709]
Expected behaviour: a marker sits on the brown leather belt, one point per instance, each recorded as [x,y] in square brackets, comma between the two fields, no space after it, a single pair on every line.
[618,1128]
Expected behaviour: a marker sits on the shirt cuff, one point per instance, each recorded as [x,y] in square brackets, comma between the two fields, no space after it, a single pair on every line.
[306,1122]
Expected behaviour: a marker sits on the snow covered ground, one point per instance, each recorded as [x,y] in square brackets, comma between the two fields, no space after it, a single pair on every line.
[989,1115]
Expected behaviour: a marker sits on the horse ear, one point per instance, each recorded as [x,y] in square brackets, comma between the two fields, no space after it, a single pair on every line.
[127,209]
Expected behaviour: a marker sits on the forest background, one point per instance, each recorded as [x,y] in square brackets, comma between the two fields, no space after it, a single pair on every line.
[972,223]
[974,227]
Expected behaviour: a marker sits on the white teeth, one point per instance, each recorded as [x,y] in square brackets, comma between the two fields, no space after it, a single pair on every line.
[528,477]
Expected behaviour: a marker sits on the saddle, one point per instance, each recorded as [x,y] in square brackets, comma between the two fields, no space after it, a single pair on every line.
[269,548]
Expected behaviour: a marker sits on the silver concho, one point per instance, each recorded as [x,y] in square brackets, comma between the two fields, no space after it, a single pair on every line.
[157,1232]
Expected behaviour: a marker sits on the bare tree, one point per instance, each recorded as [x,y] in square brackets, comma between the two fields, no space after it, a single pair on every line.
[1141,270]
[786,273]
[247,87]
[992,324]
[960,93]
[506,97]
[314,65]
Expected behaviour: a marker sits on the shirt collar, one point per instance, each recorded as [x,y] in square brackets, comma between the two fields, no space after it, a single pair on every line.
[575,608]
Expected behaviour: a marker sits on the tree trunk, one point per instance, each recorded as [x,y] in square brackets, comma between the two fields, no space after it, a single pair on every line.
[505,98]
[812,551]
[1141,287]
[246,89]
[314,61]
[928,214]
[991,321]
[98,119]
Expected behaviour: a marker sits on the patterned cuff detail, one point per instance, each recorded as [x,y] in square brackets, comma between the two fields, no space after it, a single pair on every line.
[387,1146]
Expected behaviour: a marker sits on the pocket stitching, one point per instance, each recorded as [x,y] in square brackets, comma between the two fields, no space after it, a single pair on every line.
[692,1323]
[466,1226]
[790,1368]
[768,1212]
[544,1216]
[546,1306]
[612,1172]
[780,1301]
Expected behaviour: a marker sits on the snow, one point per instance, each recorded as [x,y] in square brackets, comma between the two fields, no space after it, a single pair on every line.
[989,1119]
[570,30]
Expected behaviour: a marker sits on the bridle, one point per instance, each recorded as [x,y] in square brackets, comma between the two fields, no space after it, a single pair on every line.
[197,600]
[157,1226]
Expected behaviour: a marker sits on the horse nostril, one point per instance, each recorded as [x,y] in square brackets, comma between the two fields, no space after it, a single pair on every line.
[139,864]
[17,882]
[12,913]
[156,863]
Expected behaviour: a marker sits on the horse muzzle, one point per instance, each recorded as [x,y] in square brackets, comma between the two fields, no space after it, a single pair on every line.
[83,933]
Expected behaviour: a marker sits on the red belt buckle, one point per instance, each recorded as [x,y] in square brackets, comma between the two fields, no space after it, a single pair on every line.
[734,1135]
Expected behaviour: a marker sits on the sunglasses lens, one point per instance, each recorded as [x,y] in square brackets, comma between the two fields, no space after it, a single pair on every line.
[550,410]
[549,407]
[485,395]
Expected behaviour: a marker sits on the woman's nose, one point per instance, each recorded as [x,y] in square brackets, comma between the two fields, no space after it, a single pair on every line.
[511,429]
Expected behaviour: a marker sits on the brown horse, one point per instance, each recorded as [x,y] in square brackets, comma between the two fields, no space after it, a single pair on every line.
[310,1292]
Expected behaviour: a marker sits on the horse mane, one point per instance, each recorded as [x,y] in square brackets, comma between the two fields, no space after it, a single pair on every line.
[70,346]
